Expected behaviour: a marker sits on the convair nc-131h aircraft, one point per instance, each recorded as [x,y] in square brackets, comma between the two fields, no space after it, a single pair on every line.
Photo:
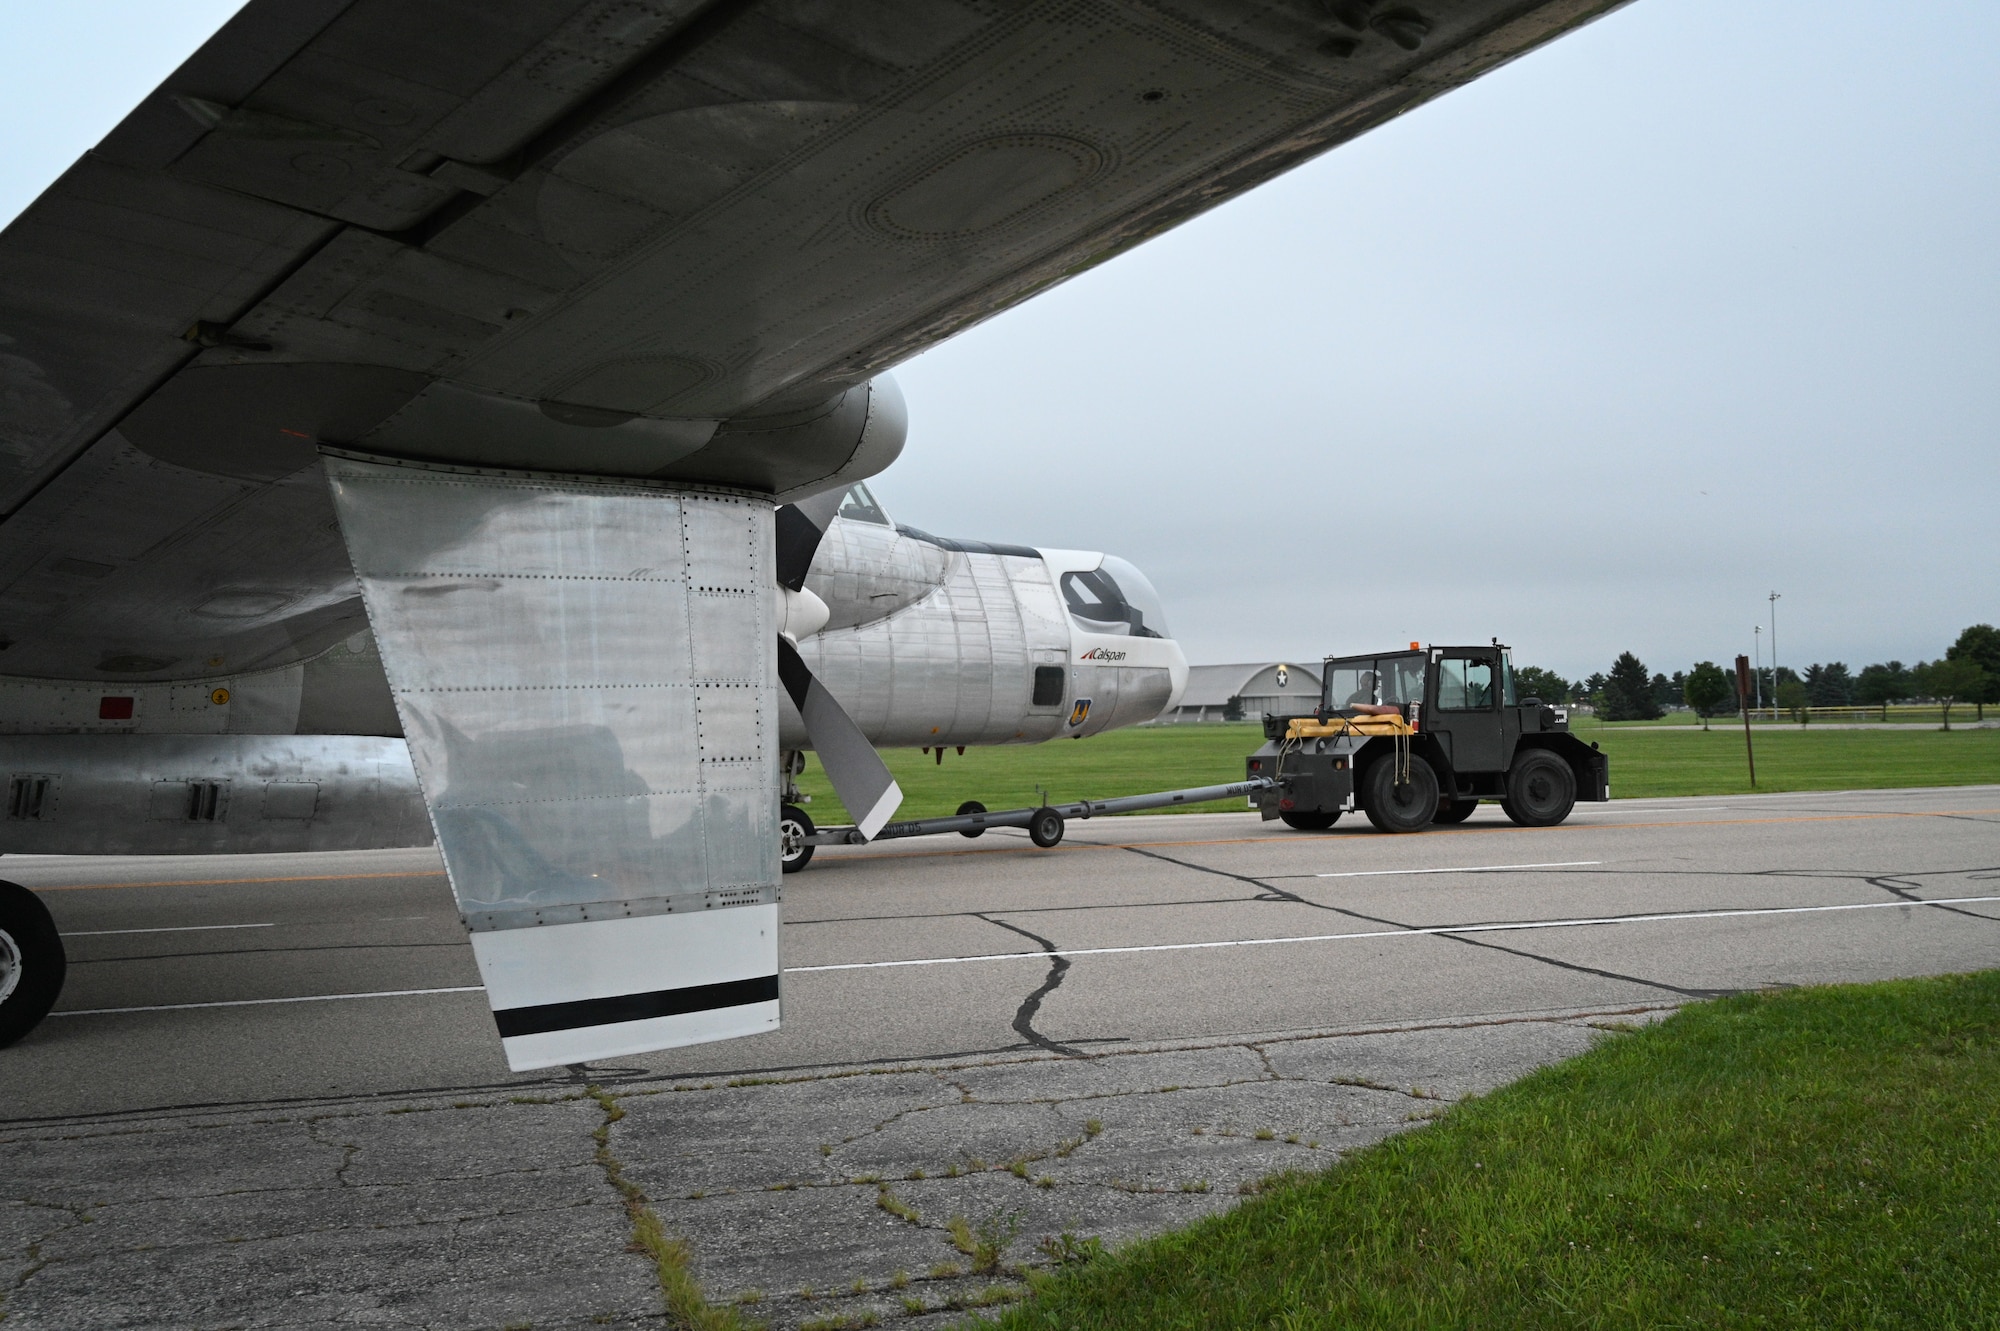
[423,418]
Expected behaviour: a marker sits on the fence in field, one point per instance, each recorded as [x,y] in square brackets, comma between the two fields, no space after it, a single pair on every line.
[1928,713]
[1910,714]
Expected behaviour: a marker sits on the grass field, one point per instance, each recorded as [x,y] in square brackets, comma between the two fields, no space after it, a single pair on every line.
[1814,1158]
[1645,760]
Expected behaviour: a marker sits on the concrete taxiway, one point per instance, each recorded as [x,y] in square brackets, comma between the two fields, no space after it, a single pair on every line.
[1117,1035]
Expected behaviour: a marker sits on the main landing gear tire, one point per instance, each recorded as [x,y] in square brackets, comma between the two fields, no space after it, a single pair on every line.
[794,851]
[1454,811]
[1045,828]
[972,806]
[1408,805]
[1541,789]
[1309,820]
[31,962]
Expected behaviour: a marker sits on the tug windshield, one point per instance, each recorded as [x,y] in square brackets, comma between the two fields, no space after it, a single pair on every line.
[1357,681]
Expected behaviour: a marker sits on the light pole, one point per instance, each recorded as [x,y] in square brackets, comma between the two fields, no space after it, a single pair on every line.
[1757,646]
[1774,657]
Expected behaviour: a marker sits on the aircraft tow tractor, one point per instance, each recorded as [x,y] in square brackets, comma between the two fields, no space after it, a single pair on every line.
[1416,737]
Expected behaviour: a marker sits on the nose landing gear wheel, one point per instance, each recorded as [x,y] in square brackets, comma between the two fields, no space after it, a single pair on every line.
[794,851]
[31,962]
[1406,805]
[1045,829]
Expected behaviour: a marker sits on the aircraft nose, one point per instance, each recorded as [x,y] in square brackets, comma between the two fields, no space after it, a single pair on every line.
[1177,673]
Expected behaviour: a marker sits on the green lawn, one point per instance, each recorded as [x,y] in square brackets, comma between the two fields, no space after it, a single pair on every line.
[1644,761]
[1816,1158]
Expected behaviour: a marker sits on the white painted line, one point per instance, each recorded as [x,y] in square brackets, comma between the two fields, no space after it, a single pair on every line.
[1390,933]
[173,929]
[1111,951]
[265,1002]
[1470,868]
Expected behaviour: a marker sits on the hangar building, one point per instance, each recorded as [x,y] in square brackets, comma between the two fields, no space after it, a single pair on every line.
[1263,686]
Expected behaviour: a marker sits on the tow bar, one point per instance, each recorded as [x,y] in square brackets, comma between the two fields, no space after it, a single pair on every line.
[1044,824]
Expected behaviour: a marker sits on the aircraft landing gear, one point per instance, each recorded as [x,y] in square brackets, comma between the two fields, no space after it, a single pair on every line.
[794,851]
[31,962]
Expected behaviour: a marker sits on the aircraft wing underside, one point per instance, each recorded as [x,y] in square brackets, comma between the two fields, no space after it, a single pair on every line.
[501,330]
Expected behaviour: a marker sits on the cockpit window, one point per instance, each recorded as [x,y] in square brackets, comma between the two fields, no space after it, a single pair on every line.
[1114,598]
[857,505]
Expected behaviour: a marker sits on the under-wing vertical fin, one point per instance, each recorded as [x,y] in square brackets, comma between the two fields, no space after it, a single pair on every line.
[585,673]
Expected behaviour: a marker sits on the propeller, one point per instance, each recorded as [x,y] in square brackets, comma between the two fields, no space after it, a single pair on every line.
[801,527]
[859,776]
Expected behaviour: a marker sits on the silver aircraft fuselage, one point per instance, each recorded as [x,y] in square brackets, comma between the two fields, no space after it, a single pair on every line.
[926,641]
[939,642]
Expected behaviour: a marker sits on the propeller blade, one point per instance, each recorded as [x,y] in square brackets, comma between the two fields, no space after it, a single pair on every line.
[858,774]
[801,526]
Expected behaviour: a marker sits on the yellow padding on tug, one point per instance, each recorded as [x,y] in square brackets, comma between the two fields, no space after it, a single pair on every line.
[1304,727]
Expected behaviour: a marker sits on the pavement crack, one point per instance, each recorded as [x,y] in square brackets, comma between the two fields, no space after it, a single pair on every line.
[897,1117]
[34,1263]
[348,1150]
[1265,1058]
[1525,955]
[673,1262]
[1364,1084]
[1024,1016]
[1271,892]
[1898,886]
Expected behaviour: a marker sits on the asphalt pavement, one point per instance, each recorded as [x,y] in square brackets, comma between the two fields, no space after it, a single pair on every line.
[272,1096]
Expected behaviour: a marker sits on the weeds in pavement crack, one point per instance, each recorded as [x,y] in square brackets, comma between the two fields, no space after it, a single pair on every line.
[687,1307]
[897,1207]
[78,1215]
[986,1244]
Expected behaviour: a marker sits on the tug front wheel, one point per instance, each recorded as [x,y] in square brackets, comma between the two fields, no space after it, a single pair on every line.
[31,962]
[1541,789]
[1309,820]
[1402,798]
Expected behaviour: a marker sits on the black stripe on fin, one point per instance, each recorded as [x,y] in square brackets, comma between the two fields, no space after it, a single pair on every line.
[545,1017]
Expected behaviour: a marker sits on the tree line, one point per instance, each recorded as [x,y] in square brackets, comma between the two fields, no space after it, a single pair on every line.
[1968,672]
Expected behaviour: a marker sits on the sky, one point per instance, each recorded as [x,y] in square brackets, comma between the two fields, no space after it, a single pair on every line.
[1695,304]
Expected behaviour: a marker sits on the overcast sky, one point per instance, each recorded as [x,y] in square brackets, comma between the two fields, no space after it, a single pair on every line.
[1700,302]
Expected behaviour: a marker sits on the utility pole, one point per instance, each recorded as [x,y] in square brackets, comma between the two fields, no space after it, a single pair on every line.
[1774,657]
